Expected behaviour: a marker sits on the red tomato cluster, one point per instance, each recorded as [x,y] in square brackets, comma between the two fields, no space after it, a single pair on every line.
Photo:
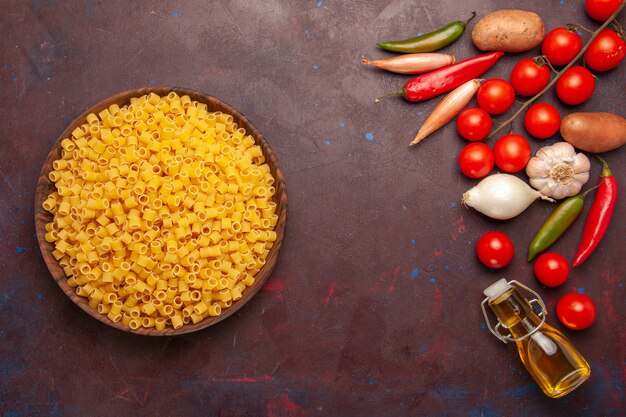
[529,77]
[511,153]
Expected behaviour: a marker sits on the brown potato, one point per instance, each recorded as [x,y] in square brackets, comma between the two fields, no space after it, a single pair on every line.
[508,30]
[594,132]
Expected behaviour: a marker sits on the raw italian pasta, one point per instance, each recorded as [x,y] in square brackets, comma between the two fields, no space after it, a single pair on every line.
[162,213]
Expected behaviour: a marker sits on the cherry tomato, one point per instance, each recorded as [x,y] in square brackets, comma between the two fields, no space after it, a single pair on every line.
[561,46]
[476,160]
[575,86]
[511,152]
[601,10]
[576,311]
[605,52]
[551,269]
[495,250]
[495,96]
[542,120]
[528,78]
[474,124]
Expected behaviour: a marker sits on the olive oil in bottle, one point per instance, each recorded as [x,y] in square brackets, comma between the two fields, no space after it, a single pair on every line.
[547,354]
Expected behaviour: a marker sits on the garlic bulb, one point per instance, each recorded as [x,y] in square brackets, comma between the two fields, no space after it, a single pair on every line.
[558,171]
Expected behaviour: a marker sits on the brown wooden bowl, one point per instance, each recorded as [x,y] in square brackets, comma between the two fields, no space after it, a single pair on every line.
[45,186]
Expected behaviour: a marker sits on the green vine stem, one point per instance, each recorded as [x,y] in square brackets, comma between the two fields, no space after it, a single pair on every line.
[568,66]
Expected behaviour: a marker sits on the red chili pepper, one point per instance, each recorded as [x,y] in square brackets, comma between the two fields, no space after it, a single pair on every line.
[599,216]
[446,79]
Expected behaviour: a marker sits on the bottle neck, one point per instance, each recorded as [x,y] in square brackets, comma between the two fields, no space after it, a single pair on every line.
[515,313]
[526,325]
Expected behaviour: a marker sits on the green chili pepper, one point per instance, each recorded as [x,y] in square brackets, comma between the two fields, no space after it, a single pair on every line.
[558,222]
[429,42]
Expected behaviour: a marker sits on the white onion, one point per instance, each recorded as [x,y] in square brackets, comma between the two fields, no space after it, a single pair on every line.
[501,196]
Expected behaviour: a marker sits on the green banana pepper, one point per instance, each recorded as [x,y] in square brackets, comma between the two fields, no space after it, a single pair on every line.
[429,42]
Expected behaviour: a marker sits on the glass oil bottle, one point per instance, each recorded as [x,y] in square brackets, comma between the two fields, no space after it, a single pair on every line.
[547,354]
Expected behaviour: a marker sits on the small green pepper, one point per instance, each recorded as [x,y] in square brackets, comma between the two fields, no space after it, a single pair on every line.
[429,42]
[558,222]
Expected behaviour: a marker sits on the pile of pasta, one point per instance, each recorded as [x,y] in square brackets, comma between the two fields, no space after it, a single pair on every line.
[162,213]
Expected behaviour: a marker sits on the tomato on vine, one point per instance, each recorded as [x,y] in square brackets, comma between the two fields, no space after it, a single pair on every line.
[601,10]
[511,152]
[542,120]
[474,124]
[606,51]
[576,85]
[561,45]
[529,77]
[495,96]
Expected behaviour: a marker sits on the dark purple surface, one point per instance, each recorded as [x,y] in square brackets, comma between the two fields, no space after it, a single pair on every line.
[373,308]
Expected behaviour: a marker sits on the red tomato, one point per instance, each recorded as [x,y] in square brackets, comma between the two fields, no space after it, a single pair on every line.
[601,10]
[605,52]
[551,269]
[511,152]
[561,46]
[495,250]
[476,160]
[542,120]
[575,86]
[528,78]
[576,311]
[495,96]
[474,124]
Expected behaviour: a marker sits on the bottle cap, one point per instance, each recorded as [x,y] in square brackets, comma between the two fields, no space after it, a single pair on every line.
[496,289]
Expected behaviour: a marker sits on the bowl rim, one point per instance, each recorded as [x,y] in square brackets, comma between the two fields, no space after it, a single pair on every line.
[45,186]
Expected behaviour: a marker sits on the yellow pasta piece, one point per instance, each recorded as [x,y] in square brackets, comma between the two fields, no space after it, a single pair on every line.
[148,322]
[177,321]
[148,308]
[235,293]
[249,280]
[215,310]
[160,323]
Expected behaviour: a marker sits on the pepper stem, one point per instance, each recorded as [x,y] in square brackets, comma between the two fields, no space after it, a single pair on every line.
[468,20]
[583,195]
[606,171]
[391,93]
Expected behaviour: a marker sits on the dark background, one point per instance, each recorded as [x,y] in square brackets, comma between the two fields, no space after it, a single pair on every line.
[374,306]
